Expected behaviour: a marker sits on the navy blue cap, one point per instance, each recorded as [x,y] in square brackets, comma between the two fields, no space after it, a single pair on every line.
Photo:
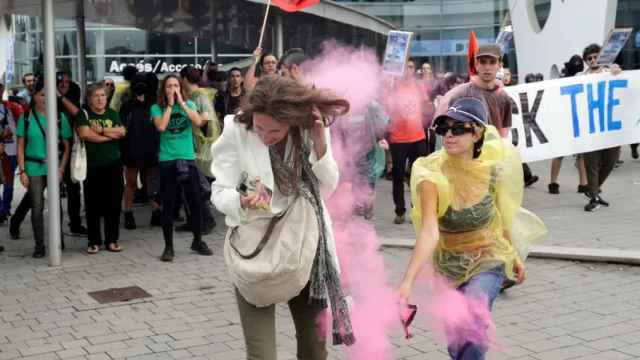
[465,109]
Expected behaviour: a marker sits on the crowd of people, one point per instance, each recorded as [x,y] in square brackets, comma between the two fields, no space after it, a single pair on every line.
[447,133]
[140,130]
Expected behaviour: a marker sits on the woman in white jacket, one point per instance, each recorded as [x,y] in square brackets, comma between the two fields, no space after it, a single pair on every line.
[279,144]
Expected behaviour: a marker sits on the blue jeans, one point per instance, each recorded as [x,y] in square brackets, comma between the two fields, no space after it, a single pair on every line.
[483,285]
[7,193]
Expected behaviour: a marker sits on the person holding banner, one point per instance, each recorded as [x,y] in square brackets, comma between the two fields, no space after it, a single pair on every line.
[573,67]
[599,163]
[466,199]
[268,66]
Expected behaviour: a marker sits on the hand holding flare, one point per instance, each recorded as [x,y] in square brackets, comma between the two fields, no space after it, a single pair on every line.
[253,194]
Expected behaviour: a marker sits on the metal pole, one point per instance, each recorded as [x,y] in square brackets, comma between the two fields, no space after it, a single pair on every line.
[279,36]
[53,187]
[82,48]
[442,66]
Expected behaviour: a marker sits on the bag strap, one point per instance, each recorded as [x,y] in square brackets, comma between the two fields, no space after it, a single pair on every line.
[44,136]
[263,242]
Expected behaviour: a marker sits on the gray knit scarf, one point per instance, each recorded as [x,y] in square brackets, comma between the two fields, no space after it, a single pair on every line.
[324,283]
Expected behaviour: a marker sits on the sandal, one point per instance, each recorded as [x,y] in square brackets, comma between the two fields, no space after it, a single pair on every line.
[113,247]
[93,249]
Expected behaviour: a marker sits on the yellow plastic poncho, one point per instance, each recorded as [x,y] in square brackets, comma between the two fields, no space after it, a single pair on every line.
[508,234]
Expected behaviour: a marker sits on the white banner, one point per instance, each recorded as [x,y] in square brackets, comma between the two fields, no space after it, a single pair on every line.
[575,115]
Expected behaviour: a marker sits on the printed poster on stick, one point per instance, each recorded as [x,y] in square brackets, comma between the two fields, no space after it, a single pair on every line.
[615,42]
[396,52]
[575,115]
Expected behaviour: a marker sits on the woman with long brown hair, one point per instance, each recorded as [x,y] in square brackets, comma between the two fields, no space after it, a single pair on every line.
[175,118]
[271,163]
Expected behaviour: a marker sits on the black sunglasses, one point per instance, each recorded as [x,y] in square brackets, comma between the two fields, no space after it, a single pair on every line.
[457,129]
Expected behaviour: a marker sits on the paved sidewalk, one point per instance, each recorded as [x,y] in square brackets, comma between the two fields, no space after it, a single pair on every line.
[565,310]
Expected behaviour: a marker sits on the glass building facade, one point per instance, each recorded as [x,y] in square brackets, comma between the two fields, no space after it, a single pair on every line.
[163,36]
[441,27]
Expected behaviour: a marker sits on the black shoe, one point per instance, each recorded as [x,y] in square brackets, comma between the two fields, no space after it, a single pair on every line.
[530,181]
[39,252]
[601,201]
[554,188]
[201,248]
[78,230]
[634,152]
[156,218]
[1,248]
[592,206]
[129,221]
[167,254]
[583,189]
[186,227]
[399,219]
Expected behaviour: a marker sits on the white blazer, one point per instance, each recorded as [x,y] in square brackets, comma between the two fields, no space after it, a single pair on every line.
[239,150]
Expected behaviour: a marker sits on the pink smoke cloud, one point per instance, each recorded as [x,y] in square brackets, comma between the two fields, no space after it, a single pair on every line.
[356,75]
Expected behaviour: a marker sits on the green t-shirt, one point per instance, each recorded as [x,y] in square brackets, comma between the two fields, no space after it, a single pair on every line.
[37,142]
[176,142]
[101,154]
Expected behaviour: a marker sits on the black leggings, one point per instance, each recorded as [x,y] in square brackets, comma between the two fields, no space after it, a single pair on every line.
[168,189]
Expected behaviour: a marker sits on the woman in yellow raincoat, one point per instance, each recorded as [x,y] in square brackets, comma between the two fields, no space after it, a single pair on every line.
[467,212]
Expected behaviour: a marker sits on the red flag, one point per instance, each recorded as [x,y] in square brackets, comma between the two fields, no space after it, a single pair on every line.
[294,5]
[473,50]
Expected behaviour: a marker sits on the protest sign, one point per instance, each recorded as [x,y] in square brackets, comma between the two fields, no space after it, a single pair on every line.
[396,52]
[615,42]
[575,115]
[504,40]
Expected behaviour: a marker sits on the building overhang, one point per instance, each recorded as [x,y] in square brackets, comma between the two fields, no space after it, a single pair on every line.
[68,9]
